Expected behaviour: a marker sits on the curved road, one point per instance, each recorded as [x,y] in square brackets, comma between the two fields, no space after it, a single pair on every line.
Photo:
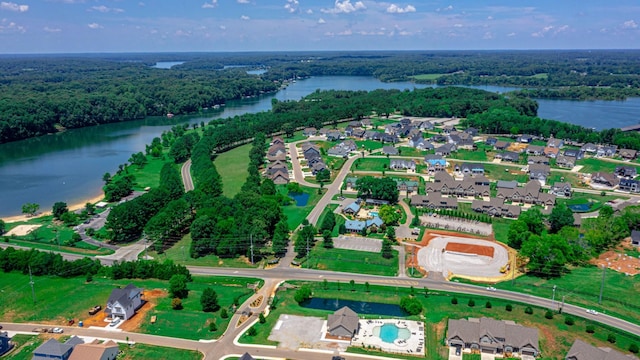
[186,176]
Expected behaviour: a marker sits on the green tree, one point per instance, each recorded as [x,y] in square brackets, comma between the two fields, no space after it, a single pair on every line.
[178,286]
[534,220]
[548,315]
[106,178]
[391,234]
[389,215]
[323,176]
[411,305]
[560,217]
[176,304]
[262,319]
[386,250]
[304,238]
[30,209]
[223,313]
[90,208]
[288,129]
[302,294]
[59,208]
[327,239]
[518,234]
[471,303]
[3,227]
[328,221]
[209,300]
[213,327]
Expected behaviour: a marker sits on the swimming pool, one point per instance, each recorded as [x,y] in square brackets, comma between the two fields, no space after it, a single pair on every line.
[390,333]
[373,213]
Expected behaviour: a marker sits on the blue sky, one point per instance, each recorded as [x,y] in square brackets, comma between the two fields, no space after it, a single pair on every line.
[55,26]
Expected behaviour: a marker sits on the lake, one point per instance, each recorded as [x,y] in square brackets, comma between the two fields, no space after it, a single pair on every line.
[69,166]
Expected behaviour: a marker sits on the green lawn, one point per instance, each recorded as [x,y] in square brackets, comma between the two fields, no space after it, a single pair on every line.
[371,164]
[591,165]
[540,76]
[497,172]
[179,253]
[149,175]
[142,351]
[501,229]
[232,166]
[352,261]
[427,76]
[409,151]
[556,337]
[582,287]
[295,214]
[24,346]
[369,144]
[469,155]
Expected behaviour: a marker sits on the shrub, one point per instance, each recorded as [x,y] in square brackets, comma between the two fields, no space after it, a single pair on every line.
[528,310]
[454,301]
[224,314]
[591,329]
[262,319]
[508,307]
[411,305]
[548,315]
[213,327]
[569,320]
[252,331]
[633,348]
[488,305]
[471,303]
[176,304]
[303,294]
[611,338]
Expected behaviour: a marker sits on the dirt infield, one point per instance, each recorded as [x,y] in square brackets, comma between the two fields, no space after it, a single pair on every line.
[470,249]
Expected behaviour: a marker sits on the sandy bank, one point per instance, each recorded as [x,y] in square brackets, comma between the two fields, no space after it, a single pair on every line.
[72,207]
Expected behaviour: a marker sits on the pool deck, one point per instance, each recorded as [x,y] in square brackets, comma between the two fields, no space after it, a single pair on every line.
[414,345]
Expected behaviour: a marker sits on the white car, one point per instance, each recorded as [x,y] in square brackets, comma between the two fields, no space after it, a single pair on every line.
[114,322]
[592,312]
[57,331]
[491,288]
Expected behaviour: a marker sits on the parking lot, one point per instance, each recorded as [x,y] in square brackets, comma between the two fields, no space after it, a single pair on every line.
[357,243]
[293,332]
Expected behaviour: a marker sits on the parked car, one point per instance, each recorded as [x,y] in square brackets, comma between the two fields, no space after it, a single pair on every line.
[57,330]
[592,312]
[114,322]
[491,288]
[95,310]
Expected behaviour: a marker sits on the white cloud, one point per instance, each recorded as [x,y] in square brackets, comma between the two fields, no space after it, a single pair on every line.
[345,6]
[630,24]
[11,27]
[95,26]
[13,7]
[511,34]
[321,21]
[347,32]
[458,25]
[222,27]
[487,36]
[51,30]
[245,17]
[292,5]
[448,8]
[561,29]
[395,9]
[489,17]
[243,1]
[210,5]
[140,3]
[104,9]
[309,11]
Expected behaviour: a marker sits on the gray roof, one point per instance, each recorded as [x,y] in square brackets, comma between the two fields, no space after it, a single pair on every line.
[246,356]
[507,184]
[123,296]
[343,322]
[501,332]
[51,348]
[580,350]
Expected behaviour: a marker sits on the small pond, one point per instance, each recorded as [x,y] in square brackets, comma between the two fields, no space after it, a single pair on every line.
[579,207]
[360,307]
[301,199]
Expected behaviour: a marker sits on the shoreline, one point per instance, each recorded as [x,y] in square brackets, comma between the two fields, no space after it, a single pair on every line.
[73,207]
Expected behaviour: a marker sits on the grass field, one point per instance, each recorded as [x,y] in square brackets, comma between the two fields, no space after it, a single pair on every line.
[295,214]
[24,346]
[468,155]
[497,172]
[501,229]
[232,166]
[555,337]
[591,165]
[427,76]
[149,175]
[371,164]
[352,261]
[142,351]
[369,145]
[409,151]
[54,309]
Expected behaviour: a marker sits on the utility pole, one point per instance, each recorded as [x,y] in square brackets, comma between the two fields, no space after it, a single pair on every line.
[553,297]
[604,269]
[31,282]
[251,239]
[513,270]
[308,255]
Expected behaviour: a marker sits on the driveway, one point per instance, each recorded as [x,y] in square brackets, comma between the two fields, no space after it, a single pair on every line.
[357,243]
[452,354]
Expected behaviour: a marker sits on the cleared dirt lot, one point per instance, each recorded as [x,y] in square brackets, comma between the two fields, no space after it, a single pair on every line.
[468,263]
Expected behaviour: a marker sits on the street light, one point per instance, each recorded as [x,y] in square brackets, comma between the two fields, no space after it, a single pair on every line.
[553,297]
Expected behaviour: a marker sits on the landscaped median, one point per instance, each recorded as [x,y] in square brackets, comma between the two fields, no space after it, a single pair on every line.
[556,331]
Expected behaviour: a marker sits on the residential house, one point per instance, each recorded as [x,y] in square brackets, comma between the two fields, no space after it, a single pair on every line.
[469,187]
[365,122]
[334,135]
[355,123]
[392,128]
[635,237]
[628,154]
[551,153]
[358,133]
[354,226]
[496,207]
[508,156]
[606,179]
[276,166]
[576,153]
[323,131]
[529,194]
[491,141]
[402,164]
[434,200]
[538,160]
[471,131]
[373,135]
[277,140]
[628,172]
[279,177]
[580,350]
[310,151]
[534,150]
[318,166]
[377,202]
[462,141]
[492,336]
[310,131]
[405,121]
[525,139]
[405,131]
[439,138]
[565,161]
[561,189]
[607,151]
[555,143]
[95,350]
[343,324]
[348,131]
[123,303]
[470,168]
[389,138]
[589,148]
[539,172]
[277,152]
[445,150]
[420,143]
[5,342]
[448,129]
[350,183]
[352,209]
[630,185]
[502,184]
[407,186]
[389,150]
[53,349]
[501,145]
[343,149]
[435,163]
[423,125]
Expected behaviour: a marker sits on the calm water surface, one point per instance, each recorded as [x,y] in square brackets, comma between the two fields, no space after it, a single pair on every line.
[69,166]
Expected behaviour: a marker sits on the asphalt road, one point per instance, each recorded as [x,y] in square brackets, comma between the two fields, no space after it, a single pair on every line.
[186,176]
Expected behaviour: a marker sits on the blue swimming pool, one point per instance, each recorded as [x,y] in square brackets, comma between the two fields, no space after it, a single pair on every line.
[373,213]
[390,333]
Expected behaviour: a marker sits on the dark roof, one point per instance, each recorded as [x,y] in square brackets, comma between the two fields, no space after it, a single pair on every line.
[342,322]
[123,296]
[246,356]
[51,348]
